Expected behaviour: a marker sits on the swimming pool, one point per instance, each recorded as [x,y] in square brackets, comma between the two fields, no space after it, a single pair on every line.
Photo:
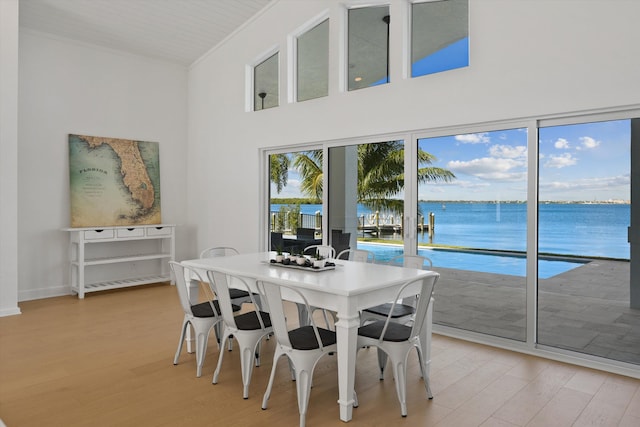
[514,265]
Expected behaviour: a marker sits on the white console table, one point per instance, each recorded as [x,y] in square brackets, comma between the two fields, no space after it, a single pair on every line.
[102,258]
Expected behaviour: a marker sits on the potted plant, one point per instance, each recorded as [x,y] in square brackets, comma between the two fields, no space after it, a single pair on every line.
[279,254]
[302,260]
[319,261]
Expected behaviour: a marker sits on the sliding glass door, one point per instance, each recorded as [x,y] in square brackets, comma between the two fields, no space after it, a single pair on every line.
[531,225]
[366,197]
[472,223]
[584,210]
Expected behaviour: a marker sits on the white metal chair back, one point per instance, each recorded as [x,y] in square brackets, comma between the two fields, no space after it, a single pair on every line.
[247,328]
[395,340]
[303,345]
[202,316]
[179,271]
[324,250]
[358,255]
[411,261]
[217,251]
[220,283]
[273,295]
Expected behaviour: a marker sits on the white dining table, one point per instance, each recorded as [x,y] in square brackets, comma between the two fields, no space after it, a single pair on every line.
[347,289]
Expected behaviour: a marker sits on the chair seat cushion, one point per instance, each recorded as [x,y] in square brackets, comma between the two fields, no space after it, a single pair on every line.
[249,321]
[400,310]
[203,309]
[304,338]
[395,332]
[237,293]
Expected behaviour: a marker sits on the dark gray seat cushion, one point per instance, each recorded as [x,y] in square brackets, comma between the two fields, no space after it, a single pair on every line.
[400,310]
[395,332]
[249,321]
[304,338]
[203,309]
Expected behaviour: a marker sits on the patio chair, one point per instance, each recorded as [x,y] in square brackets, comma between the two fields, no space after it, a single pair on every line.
[396,340]
[201,316]
[340,240]
[248,328]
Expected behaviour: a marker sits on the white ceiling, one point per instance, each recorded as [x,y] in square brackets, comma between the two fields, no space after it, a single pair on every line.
[179,31]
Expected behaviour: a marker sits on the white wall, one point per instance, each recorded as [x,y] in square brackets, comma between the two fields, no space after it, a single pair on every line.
[527,58]
[68,87]
[8,157]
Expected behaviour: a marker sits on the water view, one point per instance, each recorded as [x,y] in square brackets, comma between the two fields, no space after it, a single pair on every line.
[573,229]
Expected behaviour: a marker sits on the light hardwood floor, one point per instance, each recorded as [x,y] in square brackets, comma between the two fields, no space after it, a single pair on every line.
[107,361]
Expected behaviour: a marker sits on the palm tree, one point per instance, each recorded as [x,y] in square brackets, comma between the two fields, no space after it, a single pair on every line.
[309,164]
[380,174]
[279,170]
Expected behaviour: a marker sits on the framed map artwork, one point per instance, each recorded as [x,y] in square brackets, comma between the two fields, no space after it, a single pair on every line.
[114,182]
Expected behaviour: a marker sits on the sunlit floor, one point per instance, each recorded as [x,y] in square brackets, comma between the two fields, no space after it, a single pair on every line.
[585,309]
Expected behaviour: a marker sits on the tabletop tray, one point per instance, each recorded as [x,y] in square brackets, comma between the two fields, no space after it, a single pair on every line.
[301,267]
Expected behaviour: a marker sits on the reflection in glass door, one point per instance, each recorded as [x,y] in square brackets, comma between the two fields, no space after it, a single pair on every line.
[584,214]
[366,197]
[295,201]
[473,228]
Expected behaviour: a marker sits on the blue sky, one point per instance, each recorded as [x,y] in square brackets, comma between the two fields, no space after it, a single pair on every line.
[586,162]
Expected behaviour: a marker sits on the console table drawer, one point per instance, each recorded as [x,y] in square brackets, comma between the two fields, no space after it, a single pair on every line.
[98,234]
[159,231]
[130,232]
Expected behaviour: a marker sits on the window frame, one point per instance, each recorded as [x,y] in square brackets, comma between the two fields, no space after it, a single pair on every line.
[292,54]
[250,76]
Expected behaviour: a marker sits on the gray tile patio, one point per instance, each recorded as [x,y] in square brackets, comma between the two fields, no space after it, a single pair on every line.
[585,309]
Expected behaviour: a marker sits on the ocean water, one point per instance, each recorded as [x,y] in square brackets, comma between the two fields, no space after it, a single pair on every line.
[598,230]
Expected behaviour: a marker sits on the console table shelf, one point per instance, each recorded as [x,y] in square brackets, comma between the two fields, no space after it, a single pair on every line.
[103,258]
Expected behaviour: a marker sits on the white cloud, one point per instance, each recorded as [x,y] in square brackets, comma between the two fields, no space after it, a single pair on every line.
[562,144]
[588,142]
[489,168]
[474,138]
[560,161]
[590,184]
[508,151]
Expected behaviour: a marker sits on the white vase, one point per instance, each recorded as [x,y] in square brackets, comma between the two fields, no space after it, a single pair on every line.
[319,263]
[279,258]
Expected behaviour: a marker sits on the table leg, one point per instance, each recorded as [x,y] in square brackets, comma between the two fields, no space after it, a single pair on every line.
[347,336]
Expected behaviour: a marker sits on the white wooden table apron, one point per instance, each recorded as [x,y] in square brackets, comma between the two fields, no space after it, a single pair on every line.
[348,289]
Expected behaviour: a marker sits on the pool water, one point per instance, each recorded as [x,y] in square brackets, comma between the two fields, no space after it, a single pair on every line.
[514,265]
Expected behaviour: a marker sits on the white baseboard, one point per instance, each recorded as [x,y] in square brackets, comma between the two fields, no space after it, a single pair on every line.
[33,294]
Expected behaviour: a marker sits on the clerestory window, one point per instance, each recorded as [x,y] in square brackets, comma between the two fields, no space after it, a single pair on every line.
[265,84]
[439,36]
[368,46]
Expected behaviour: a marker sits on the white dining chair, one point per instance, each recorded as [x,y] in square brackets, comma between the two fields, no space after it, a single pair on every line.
[304,344]
[238,296]
[358,255]
[248,328]
[399,311]
[324,250]
[396,340]
[201,316]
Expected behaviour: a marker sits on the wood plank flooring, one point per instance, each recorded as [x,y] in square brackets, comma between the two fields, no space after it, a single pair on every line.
[107,361]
